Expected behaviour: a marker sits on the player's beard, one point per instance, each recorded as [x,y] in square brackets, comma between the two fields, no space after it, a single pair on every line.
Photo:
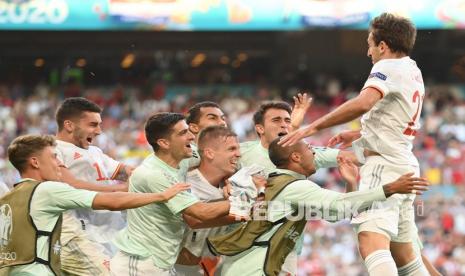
[79,138]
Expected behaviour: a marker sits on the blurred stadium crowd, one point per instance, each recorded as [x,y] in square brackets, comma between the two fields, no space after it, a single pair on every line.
[330,249]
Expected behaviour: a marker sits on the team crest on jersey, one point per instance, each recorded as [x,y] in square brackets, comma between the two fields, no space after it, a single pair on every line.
[6,224]
[378,75]
[77,155]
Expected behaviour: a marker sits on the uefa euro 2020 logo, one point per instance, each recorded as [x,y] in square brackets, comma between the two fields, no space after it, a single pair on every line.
[6,224]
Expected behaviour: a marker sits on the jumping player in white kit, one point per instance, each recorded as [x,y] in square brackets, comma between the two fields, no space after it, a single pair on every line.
[390,102]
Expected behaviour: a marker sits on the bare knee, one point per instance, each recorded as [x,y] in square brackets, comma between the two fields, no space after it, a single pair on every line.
[402,252]
[370,242]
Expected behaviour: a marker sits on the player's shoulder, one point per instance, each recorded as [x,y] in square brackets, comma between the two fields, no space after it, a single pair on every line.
[387,69]
[149,168]
[51,187]
[248,145]
[95,149]
[64,146]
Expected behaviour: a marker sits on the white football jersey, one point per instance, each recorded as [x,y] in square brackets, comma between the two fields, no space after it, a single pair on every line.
[195,240]
[391,125]
[92,165]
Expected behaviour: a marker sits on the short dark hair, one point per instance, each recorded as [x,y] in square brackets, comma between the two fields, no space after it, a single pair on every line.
[160,125]
[193,114]
[260,113]
[397,32]
[72,108]
[276,155]
[23,147]
[211,133]
[279,155]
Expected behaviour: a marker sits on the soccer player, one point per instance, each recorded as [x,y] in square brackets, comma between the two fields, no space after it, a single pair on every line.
[35,205]
[276,119]
[200,116]
[219,152]
[152,240]
[390,102]
[86,234]
[261,246]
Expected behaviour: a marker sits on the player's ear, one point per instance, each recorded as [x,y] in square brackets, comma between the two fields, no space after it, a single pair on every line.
[382,46]
[260,129]
[208,153]
[163,143]
[34,162]
[295,157]
[68,125]
[194,128]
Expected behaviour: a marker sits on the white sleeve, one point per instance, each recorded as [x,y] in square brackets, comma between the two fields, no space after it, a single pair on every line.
[380,78]
[325,157]
[111,165]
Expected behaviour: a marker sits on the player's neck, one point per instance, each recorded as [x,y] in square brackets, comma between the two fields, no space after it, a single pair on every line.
[65,138]
[393,55]
[295,167]
[264,143]
[168,158]
[211,174]
[33,174]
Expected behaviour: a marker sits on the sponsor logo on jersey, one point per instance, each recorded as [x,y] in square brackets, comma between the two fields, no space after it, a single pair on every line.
[77,155]
[378,75]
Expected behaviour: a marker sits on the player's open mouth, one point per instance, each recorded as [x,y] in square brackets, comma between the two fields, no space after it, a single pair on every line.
[282,133]
[89,139]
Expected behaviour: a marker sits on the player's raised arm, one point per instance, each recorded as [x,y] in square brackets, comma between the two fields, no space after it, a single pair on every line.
[347,112]
[302,103]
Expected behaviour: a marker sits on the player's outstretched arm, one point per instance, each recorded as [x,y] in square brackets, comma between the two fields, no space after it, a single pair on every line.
[202,212]
[347,112]
[406,184]
[67,177]
[123,200]
[344,138]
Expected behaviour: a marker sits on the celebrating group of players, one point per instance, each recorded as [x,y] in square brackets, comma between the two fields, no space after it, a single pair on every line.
[185,202]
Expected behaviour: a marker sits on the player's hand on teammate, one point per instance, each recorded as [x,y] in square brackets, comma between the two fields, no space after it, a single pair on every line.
[302,103]
[121,187]
[344,138]
[174,190]
[227,189]
[349,172]
[259,181]
[407,184]
[293,137]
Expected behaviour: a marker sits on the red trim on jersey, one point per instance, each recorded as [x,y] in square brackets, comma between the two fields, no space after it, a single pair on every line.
[375,88]
[410,132]
[116,171]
